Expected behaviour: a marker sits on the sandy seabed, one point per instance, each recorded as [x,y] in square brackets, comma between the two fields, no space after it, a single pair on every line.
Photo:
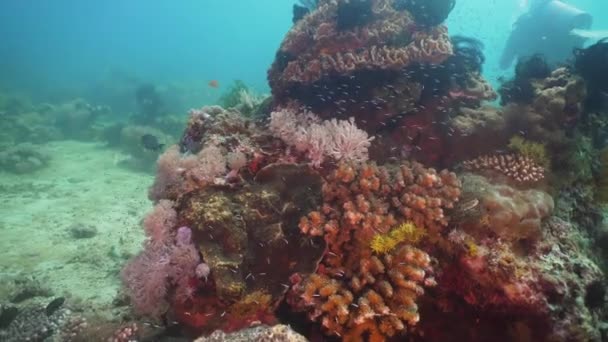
[83,186]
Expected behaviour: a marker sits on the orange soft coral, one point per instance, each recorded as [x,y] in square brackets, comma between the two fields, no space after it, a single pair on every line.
[358,290]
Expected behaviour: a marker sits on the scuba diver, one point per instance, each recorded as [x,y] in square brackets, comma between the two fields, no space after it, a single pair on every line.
[551,28]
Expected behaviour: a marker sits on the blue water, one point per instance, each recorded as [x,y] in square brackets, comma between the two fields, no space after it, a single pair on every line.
[59,47]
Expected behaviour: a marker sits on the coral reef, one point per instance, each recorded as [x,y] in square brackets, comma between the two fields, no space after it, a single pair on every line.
[530,149]
[277,333]
[520,89]
[404,233]
[249,239]
[23,158]
[165,266]
[37,322]
[503,211]
[25,122]
[242,98]
[474,132]
[75,119]
[520,168]
[557,104]
[321,44]
[357,291]
[390,68]
[545,287]
[602,179]
[331,214]
[241,207]
[306,133]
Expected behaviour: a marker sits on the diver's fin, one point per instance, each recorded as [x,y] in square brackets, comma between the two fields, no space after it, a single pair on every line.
[590,34]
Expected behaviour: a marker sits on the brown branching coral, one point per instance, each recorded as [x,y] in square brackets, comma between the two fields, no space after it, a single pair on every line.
[316,46]
[373,197]
[517,167]
[356,291]
[381,297]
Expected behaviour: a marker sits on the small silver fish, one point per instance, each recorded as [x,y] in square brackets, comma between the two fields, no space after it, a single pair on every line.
[469,205]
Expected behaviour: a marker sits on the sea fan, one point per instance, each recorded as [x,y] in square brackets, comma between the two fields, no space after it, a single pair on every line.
[145,278]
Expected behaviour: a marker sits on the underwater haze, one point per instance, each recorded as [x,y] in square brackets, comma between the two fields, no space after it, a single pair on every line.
[303,170]
[52,47]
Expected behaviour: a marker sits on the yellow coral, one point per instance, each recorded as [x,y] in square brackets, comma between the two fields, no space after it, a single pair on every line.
[382,244]
[405,232]
[472,248]
[250,304]
[533,150]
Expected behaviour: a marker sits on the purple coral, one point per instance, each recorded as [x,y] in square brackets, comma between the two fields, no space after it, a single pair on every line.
[183,236]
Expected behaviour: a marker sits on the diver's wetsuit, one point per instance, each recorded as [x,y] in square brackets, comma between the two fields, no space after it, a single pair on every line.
[546,29]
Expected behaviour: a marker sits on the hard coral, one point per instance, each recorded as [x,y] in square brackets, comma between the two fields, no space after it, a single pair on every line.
[379,296]
[519,168]
[544,287]
[277,333]
[404,233]
[355,291]
[214,140]
[555,103]
[322,43]
[23,158]
[248,237]
[35,322]
[503,211]
[533,150]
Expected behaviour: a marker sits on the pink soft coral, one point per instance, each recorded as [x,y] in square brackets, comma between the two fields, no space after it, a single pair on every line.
[159,223]
[149,275]
[341,140]
[145,279]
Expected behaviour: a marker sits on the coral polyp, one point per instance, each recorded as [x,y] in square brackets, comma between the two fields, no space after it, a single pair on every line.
[405,233]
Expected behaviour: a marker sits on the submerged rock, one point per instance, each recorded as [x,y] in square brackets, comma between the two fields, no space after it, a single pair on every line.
[82,231]
[277,333]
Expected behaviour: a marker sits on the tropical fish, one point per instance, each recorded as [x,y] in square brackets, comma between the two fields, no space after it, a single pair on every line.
[469,205]
[54,305]
[150,142]
[214,84]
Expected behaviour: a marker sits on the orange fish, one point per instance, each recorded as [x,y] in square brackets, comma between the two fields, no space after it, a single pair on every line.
[214,84]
